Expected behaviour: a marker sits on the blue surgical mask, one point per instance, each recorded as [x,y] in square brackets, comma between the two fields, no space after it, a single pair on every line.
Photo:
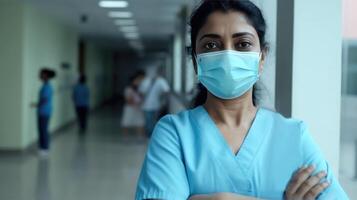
[228,74]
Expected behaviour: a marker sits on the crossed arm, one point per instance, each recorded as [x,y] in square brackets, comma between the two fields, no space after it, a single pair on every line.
[302,186]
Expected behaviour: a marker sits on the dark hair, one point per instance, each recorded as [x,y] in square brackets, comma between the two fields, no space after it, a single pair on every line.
[207,7]
[139,73]
[82,79]
[49,73]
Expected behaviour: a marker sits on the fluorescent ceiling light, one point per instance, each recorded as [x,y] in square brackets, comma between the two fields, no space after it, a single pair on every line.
[129,29]
[137,46]
[120,14]
[135,43]
[132,36]
[113,4]
[125,22]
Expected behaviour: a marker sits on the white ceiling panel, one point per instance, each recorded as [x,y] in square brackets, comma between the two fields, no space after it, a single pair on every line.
[155,19]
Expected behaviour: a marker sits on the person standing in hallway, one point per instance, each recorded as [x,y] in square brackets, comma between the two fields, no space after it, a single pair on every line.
[44,110]
[133,117]
[155,91]
[81,96]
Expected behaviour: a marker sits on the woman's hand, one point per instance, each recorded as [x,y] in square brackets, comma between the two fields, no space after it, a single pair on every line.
[221,196]
[303,186]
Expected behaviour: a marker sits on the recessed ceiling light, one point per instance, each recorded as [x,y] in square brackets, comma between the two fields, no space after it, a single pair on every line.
[120,14]
[113,4]
[129,29]
[125,22]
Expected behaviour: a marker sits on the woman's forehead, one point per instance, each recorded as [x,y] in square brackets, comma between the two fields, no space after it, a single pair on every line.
[222,22]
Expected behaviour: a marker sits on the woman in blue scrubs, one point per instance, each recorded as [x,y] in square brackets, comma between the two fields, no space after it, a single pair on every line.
[44,110]
[230,148]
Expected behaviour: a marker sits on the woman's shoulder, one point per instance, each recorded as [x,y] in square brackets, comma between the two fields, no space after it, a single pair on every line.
[181,122]
[180,118]
[280,123]
[46,88]
[170,128]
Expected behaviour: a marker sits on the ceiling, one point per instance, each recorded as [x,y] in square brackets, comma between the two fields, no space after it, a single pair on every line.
[155,19]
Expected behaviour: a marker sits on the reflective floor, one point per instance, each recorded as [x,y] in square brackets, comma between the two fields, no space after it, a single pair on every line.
[348,169]
[101,165]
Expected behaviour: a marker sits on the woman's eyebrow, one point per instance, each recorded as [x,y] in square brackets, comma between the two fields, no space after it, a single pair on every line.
[216,36]
[210,35]
[242,34]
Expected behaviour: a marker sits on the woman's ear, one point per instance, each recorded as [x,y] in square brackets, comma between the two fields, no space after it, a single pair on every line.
[262,59]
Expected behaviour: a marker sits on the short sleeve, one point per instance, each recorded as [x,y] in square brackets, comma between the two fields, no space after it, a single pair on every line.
[164,85]
[313,156]
[144,86]
[163,175]
[45,94]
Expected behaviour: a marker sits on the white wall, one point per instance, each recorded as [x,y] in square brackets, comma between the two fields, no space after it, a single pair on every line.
[10,74]
[267,94]
[47,43]
[99,73]
[29,41]
[349,19]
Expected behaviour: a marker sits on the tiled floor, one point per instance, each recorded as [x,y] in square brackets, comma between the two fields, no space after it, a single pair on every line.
[101,165]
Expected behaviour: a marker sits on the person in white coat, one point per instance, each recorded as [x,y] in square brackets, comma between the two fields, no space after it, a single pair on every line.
[155,91]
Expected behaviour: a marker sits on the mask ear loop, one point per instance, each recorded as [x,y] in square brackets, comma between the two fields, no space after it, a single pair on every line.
[195,58]
[195,62]
[197,68]
[260,60]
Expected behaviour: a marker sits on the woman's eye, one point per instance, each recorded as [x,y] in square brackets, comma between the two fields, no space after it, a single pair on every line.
[211,45]
[244,45]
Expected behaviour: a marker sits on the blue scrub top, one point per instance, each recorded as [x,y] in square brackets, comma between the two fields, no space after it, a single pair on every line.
[81,95]
[188,155]
[45,100]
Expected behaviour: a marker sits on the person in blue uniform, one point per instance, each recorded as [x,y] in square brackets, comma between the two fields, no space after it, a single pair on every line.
[44,110]
[229,147]
[81,98]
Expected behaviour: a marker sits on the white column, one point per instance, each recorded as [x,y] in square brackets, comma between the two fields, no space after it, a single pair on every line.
[311,48]
[177,62]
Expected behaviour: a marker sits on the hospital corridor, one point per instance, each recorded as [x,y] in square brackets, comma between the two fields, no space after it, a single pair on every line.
[178,99]
[99,165]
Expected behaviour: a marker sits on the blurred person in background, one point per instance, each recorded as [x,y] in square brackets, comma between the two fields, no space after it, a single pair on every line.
[155,91]
[44,110]
[230,148]
[133,117]
[81,98]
